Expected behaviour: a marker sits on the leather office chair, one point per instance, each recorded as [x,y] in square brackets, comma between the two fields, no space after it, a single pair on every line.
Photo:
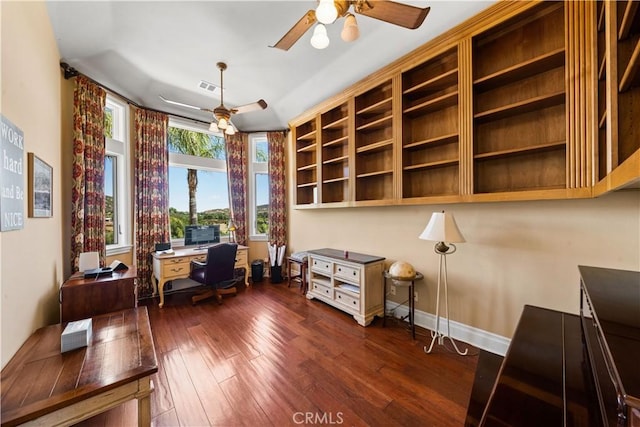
[217,272]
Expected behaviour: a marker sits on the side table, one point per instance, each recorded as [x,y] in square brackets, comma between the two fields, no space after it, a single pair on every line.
[410,285]
[302,276]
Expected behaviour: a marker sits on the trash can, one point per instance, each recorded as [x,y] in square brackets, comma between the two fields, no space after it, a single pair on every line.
[257,270]
[276,274]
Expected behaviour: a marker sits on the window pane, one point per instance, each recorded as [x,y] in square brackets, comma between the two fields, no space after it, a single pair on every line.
[262,203]
[111,208]
[108,122]
[261,152]
[209,197]
[196,144]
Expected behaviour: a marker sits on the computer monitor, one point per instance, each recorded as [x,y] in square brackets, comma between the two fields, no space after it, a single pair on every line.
[201,235]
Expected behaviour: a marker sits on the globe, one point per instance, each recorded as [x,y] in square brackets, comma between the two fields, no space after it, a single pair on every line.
[402,271]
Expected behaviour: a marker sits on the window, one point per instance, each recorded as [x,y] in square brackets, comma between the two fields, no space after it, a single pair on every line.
[116,177]
[198,188]
[258,186]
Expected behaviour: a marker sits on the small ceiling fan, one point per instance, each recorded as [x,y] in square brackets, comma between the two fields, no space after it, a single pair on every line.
[328,11]
[221,114]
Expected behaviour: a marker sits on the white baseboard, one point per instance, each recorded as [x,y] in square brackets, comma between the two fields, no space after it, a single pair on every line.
[479,338]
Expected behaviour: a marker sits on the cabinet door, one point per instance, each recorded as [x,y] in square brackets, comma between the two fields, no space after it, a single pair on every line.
[519,103]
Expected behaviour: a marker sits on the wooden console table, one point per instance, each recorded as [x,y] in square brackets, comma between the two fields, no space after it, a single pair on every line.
[178,266]
[81,298]
[42,386]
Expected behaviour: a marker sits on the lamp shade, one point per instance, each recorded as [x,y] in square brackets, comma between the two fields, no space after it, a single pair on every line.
[442,227]
[326,12]
[214,127]
[320,40]
[350,31]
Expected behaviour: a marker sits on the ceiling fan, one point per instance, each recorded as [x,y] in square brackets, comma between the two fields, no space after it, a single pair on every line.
[221,114]
[328,11]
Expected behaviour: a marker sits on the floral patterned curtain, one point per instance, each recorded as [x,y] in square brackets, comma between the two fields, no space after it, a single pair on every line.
[237,156]
[277,189]
[87,193]
[151,171]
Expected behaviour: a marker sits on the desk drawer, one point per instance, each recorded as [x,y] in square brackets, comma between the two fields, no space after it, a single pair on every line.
[318,288]
[200,258]
[348,300]
[241,258]
[171,270]
[347,272]
[321,265]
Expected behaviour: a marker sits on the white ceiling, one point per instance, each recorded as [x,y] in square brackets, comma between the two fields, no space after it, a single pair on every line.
[144,49]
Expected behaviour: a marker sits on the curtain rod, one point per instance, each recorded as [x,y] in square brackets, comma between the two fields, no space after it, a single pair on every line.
[70,72]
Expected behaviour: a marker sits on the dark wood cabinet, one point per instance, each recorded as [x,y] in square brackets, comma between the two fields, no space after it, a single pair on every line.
[81,298]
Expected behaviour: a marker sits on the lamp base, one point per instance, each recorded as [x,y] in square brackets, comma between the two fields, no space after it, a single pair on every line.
[440,338]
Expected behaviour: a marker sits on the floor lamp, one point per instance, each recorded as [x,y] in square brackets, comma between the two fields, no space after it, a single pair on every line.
[442,228]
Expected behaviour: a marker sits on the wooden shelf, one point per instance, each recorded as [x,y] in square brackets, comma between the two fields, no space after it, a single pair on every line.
[603,120]
[632,72]
[308,184]
[340,140]
[310,136]
[436,83]
[376,108]
[438,103]
[522,107]
[521,150]
[523,70]
[376,173]
[602,69]
[310,147]
[337,124]
[307,167]
[381,145]
[601,17]
[375,124]
[329,181]
[443,139]
[627,19]
[335,160]
[431,165]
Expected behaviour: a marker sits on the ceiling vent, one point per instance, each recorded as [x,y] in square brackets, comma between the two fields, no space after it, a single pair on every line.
[209,87]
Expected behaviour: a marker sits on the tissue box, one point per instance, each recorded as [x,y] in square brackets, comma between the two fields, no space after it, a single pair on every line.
[77,334]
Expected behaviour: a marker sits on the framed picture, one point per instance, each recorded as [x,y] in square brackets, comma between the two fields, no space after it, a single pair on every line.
[40,187]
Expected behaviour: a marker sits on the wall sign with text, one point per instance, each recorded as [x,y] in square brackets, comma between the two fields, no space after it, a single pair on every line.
[11,176]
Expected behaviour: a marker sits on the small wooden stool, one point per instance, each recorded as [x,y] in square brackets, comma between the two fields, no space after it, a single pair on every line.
[301,276]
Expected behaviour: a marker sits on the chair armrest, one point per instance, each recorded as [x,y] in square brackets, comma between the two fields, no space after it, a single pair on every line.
[197,265]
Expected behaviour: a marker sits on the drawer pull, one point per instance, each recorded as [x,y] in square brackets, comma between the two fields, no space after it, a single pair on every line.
[177,270]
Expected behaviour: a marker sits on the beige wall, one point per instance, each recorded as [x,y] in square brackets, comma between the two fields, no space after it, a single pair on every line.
[31,268]
[516,252]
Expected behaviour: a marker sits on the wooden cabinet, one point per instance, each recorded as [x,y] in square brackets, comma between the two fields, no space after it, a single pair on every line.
[526,101]
[351,282]
[430,139]
[374,159]
[519,103]
[82,298]
[335,154]
[618,92]
[306,163]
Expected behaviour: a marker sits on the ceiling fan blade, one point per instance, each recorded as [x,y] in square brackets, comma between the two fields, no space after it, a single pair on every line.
[180,104]
[296,31]
[404,15]
[254,106]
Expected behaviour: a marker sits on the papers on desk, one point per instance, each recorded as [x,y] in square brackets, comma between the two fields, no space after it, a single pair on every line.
[75,335]
[167,252]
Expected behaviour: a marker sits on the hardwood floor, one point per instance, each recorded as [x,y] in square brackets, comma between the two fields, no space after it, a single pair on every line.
[269,356]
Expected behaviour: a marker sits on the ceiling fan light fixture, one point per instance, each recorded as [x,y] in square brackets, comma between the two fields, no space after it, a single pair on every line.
[326,12]
[222,123]
[320,40]
[350,31]
[214,127]
[230,130]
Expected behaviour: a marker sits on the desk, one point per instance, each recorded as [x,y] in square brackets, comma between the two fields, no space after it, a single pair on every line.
[41,386]
[81,298]
[410,284]
[178,266]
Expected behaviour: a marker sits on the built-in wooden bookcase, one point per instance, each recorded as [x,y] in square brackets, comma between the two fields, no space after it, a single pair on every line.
[602,89]
[519,103]
[306,163]
[374,158]
[335,154]
[628,85]
[430,142]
